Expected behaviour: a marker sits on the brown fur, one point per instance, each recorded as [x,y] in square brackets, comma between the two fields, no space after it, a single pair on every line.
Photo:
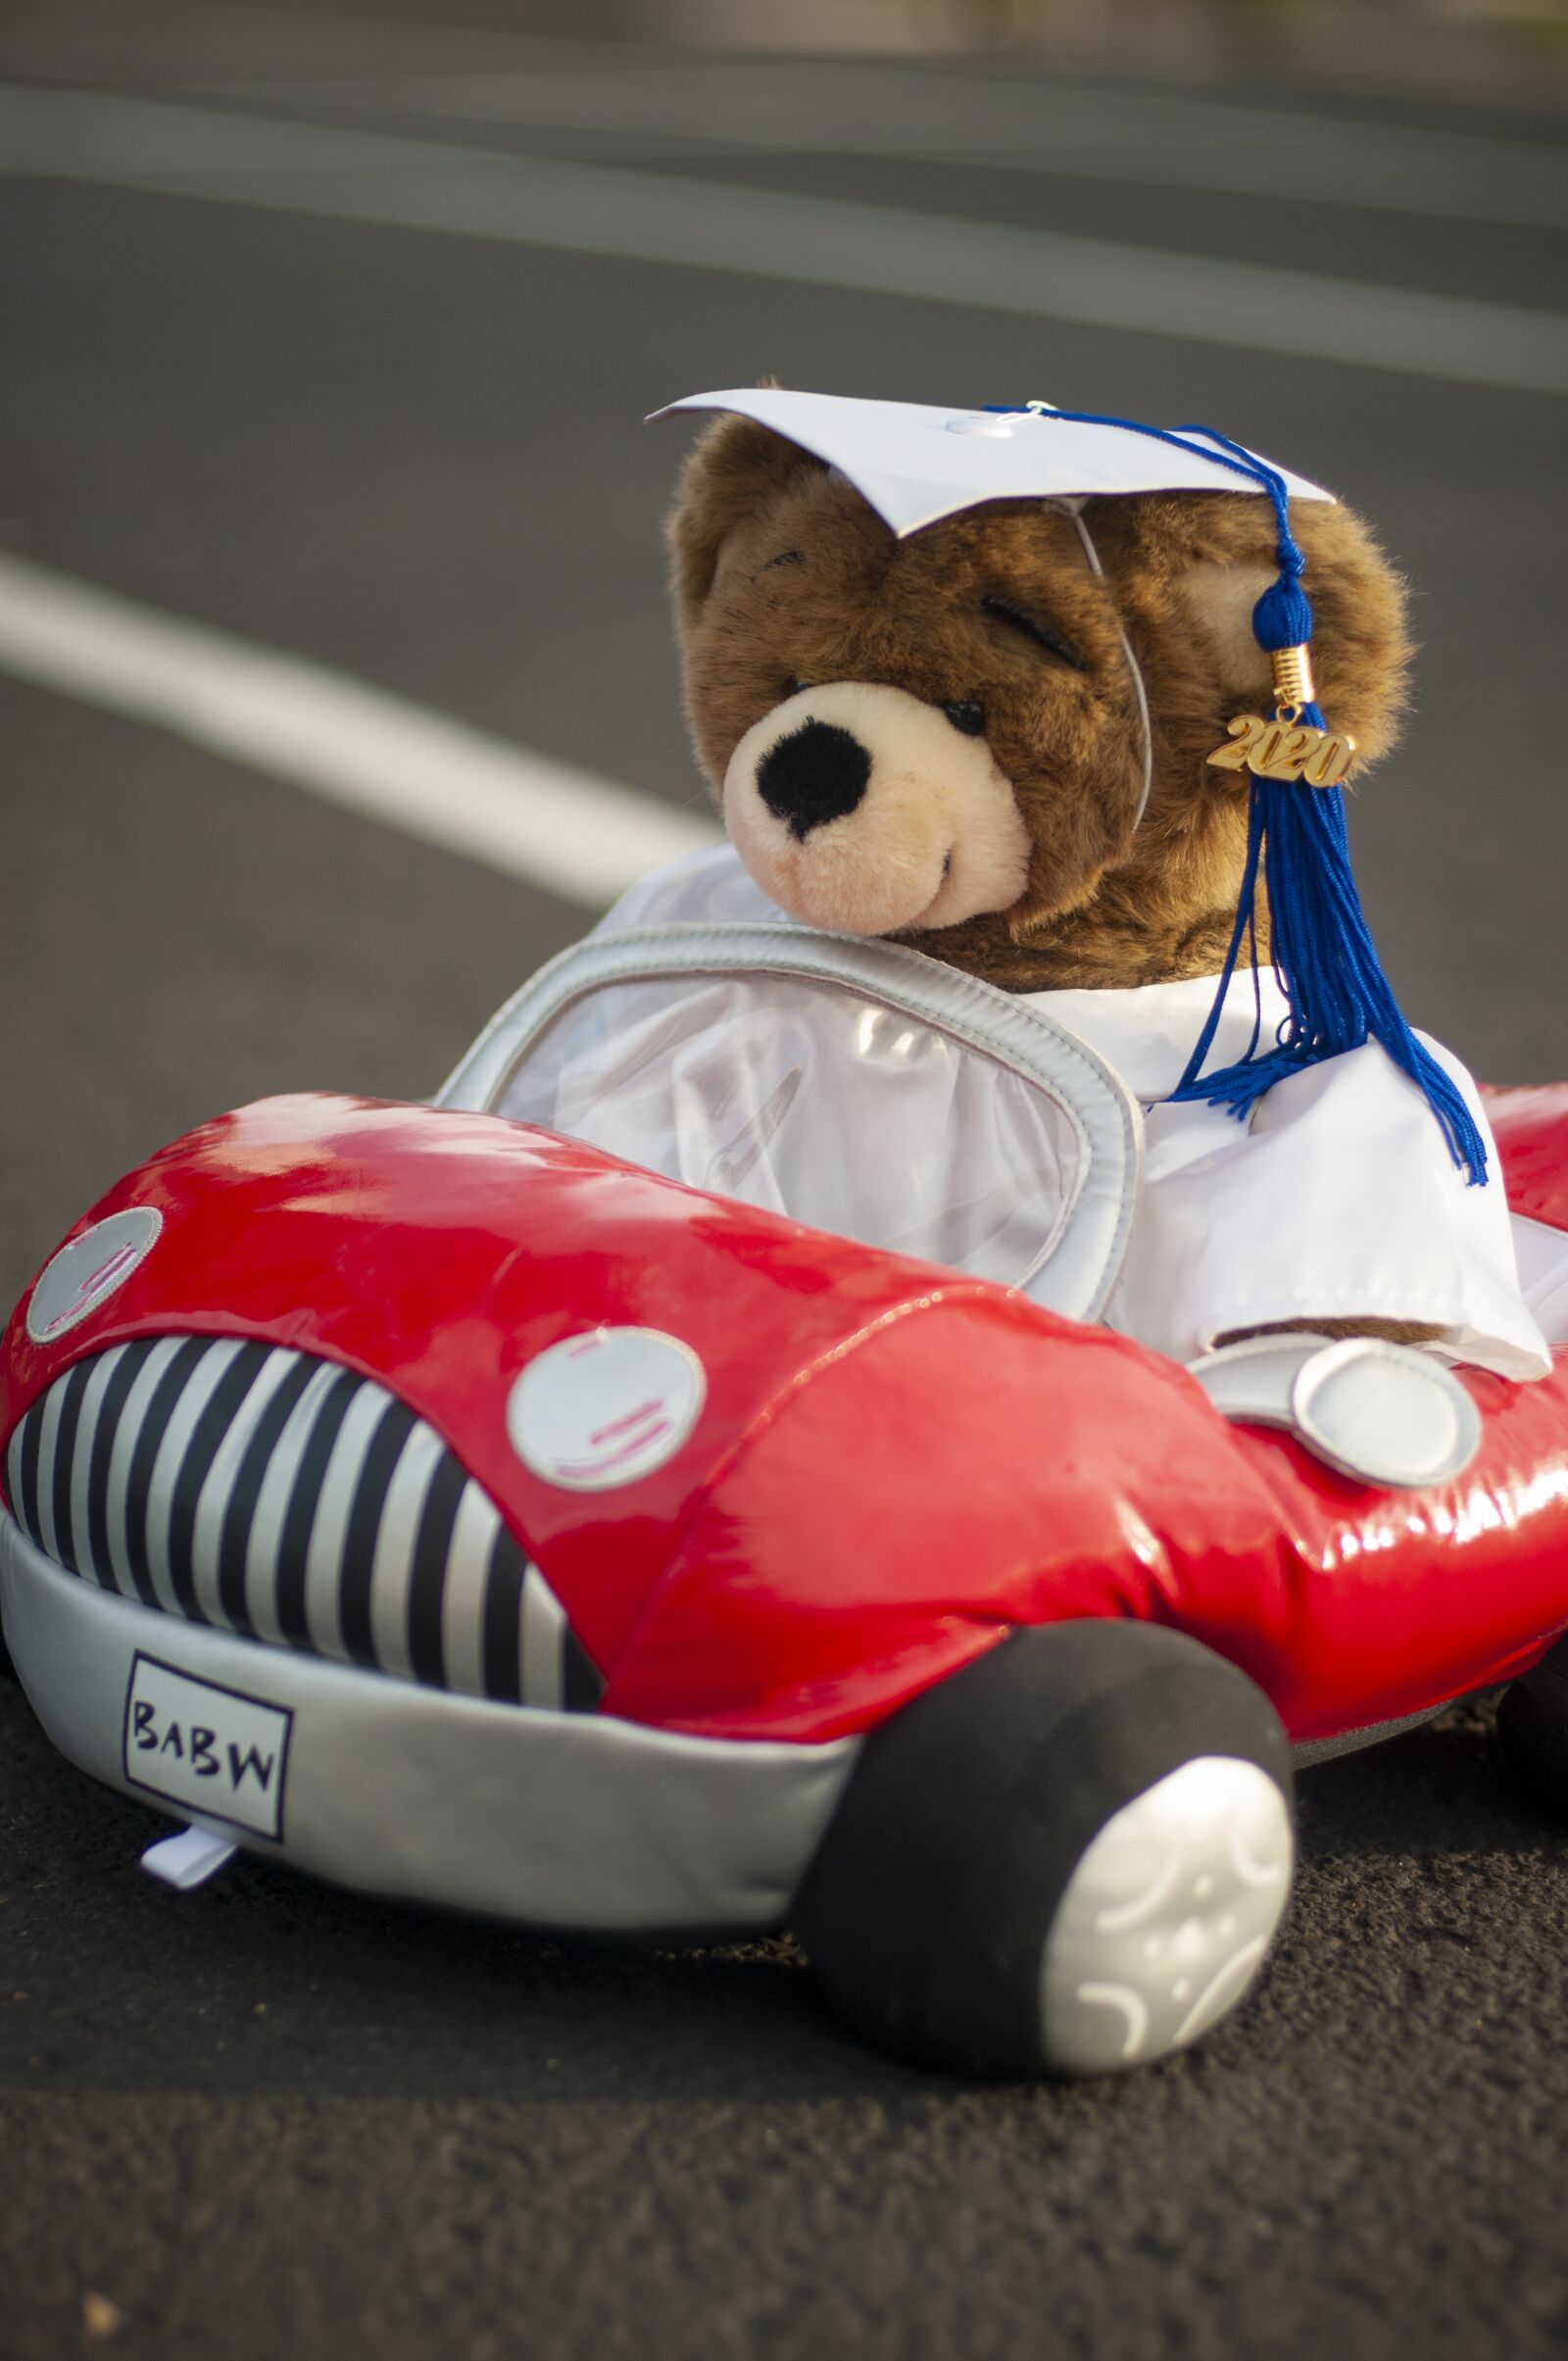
[1392,1332]
[1103,905]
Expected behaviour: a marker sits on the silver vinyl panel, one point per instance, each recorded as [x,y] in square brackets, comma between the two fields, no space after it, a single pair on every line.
[556,1819]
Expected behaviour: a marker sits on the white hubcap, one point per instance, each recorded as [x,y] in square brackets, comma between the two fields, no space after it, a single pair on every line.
[1167,1918]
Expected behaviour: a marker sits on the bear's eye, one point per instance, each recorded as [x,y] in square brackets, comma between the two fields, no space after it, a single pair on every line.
[794,685]
[1018,618]
[786,557]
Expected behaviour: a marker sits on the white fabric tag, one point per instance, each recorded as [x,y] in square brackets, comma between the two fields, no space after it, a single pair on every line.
[187,1860]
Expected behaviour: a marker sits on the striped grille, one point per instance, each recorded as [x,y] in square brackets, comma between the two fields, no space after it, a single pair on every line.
[268,1493]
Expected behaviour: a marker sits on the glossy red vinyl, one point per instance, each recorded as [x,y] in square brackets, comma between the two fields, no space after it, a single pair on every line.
[1008,1472]
[1531,1129]
[894,1465]
[440,1253]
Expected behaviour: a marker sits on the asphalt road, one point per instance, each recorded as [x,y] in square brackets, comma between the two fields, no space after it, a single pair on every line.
[270,2119]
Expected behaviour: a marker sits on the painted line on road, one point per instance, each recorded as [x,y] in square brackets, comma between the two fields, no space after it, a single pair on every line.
[577,835]
[602,210]
[1134,138]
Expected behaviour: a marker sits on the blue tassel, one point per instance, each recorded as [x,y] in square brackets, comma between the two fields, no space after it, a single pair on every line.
[1321,950]
[1282,616]
[1326,963]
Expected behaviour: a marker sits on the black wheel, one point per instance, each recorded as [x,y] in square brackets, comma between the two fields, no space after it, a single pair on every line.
[1068,1858]
[1533,1730]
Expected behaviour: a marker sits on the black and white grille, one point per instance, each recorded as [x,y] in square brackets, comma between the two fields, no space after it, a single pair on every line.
[263,1491]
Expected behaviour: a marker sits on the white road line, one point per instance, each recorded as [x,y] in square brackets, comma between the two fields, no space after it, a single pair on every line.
[576,834]
[762,233]
[1076,132]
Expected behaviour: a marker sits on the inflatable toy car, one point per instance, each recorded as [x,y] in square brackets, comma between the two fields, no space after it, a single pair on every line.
[430,1498]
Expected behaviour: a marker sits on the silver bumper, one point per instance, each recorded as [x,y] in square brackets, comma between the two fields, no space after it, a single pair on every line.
[577,1821]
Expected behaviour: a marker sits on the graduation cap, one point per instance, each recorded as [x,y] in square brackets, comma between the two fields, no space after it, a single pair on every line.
[915,463]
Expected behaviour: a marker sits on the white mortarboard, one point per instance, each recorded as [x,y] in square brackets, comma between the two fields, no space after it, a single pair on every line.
[916,464]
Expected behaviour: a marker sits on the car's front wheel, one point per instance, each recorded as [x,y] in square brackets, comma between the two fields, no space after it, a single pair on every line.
[1068,1858]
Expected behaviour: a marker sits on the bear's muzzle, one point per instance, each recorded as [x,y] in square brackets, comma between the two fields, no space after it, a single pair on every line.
[859,808]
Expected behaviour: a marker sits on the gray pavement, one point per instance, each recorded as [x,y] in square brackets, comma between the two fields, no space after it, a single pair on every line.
[269,2119]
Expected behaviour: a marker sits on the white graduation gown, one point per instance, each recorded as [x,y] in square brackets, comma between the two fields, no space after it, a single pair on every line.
[1337,1199]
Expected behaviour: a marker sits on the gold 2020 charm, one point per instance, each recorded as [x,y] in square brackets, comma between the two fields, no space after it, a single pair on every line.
[1285,749]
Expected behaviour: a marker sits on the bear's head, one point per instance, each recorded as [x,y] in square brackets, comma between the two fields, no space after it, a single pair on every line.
[939,738]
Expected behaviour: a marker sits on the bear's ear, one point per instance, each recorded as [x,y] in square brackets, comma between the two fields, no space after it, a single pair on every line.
[1216,601]
[1360,640]
[734,469]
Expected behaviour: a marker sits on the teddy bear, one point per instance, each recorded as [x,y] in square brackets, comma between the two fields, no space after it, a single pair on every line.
[992,740]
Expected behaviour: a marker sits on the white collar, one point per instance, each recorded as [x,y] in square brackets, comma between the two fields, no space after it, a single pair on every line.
[1147,1032]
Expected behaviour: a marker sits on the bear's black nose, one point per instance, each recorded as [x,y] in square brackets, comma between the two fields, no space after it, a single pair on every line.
[817,773]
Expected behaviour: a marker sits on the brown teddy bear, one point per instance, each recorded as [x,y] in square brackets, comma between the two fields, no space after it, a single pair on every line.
[991,738]
[979,663]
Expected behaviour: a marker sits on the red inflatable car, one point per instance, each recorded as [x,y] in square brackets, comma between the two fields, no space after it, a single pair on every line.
[458,1511]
